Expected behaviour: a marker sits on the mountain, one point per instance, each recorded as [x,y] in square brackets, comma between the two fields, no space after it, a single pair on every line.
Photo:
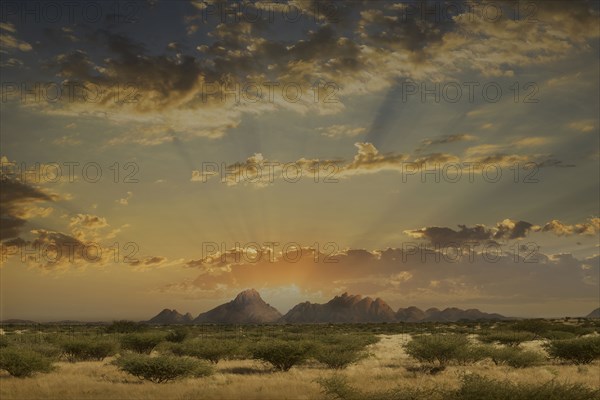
[167,317]
[594,314]
[341,309]
[247,308]
[454,314]
[410,314]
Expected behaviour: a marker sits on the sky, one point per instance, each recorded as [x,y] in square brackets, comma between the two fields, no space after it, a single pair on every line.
[170,154]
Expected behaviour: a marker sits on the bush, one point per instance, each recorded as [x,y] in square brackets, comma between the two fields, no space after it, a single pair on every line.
[470,354]
[88,349]
[47,350]
[437,348]
[475,387]
[282,354]
[581,350]
[559,335]
[23,362]
[514,357]
[353,342]
[212,350]
[125,326]
[337,387]
[535,326]
[3,342]
[338,356]
[509,338]
[162,368]
[178,335]
[142,342]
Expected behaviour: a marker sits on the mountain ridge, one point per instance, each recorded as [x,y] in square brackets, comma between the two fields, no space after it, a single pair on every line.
[248,307]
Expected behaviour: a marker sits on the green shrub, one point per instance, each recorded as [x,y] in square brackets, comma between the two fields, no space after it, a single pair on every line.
[581,350]
[282,354]
[353,342]
[535,326]
[212,350]
[475,387]
[337,387]
[178,335]
[3,342]
[469,354]
[48,350]
[162,368]
[21,362]
[437,348]
[509,338]
[513,357]
[88,349]
[472,387]
[559,335]
[337,356]
[124,326]
[143,342]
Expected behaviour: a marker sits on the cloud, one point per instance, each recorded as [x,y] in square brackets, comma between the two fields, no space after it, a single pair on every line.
[67,141]
[337,131]
[532,141]
[18,203]
[585,126]
[259,171]
[8,40]
[463,137]
[124,201]
[86,226]
[590,227]
[405,276]
[369,49]
[505,230]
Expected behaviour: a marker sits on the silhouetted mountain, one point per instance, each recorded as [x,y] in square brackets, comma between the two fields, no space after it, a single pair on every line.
[410,314]
[247,308]
[454,314]
[341,309]
[594,314]
[167,317]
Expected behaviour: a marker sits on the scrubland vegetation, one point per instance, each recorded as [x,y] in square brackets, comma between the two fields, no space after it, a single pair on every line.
[533,359]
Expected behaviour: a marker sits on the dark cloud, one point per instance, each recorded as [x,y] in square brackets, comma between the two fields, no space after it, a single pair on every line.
[512,230]
[505,230]
[442,236]
[15,198]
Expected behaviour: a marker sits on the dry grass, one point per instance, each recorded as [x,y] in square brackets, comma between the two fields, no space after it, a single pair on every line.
[246,379]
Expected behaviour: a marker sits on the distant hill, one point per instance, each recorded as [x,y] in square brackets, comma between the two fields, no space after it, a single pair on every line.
[345,308]
[247,308]
[17,322]
[167,317]
[594,314]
